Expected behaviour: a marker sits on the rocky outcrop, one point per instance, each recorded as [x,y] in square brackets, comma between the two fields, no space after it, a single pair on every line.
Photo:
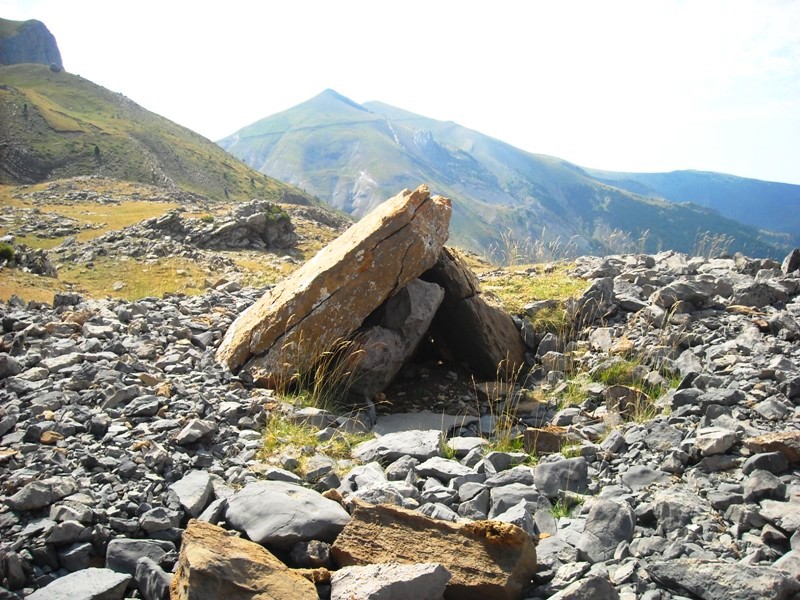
[30,42]
[254,225]
[216,564]
[494,560]
[470,326]
[328,298]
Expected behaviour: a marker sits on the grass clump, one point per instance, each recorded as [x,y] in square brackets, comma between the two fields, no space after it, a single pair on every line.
[518,286]
[6,252]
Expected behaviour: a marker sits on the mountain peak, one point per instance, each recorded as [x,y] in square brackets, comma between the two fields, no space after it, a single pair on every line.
[28,42]
[330,97]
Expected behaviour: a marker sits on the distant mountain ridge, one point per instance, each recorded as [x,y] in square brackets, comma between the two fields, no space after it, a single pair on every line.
[354,156]
[28,42]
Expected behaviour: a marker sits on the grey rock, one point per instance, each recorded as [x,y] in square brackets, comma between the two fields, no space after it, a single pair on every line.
[676,507]
[9,366]
[785,515]
[518,515]
[123,553]
[774,462]
[607,524]
[503,498]
[421,445]
[88,584]
[640,476]
[38,494]
[792,261]
[193,490]
[569,474]
[592,587]
[153,582]
[719,580]
[194,430]
[282,514]
[312,555]
[390,581]
[442,469]
[714,440]
[763,485]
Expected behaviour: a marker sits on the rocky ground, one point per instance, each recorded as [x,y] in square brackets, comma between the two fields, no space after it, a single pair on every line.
[117,426]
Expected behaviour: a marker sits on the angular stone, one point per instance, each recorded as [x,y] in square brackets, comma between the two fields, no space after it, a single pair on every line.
[547,440]
[194,430]
[494,560]
[153,582]
[719,580]
[470,325]
[380,350]
[774,462]
[675,508]
[327,299]
[442,469]
[785,515]
[785,442]
[38,494]
[592,587]
[88,584]
[215,563]
[569,474]
[607,524]
[282,514]
[123,553]
[424,581]
[9,366]
[763,485]
[193,490]
[418,444]
[792,261]
[714,440]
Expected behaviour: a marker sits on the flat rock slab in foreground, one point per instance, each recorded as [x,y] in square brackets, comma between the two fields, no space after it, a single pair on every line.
[214,564]
[327,299]
[488,560]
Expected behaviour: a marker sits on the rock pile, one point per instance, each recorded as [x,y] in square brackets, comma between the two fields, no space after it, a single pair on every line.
[117,427]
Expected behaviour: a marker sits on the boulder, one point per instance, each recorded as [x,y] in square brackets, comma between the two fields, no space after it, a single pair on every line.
[214,564]
[785,442]
[88,584]
[389,581]
[327,299]
[282,514]
[470,325]
[494,560]
[719,580]
[380,350]
[792,261]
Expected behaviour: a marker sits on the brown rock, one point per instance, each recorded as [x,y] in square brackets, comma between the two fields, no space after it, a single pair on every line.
[215,564]
[471,326]
[785,442]
[327,299]
[487,559]
[50,438]
[547,440]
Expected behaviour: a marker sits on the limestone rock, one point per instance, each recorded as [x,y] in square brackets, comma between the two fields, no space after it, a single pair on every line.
[380,350]
[215,564]
[785,442]
[419,444]
[387,581]
[88,584]
[326,300]
[280,513]
[494,560]
[719,580]
[470,326]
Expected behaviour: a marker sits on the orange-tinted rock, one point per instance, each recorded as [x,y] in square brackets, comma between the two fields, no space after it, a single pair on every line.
[214,564]
[327,299]
[488,560]
[785,442]
[471,326]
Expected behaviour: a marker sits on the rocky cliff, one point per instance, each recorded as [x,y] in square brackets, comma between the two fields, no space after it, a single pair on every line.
[28,42]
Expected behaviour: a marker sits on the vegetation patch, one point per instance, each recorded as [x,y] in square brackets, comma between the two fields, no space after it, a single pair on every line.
[521,285]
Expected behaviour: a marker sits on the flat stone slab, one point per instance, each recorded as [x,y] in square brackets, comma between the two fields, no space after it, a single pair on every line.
[423,420]
[418,444]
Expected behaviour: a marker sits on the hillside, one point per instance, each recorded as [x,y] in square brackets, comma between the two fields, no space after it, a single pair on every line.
[506,200]
[56,125]
[763,204]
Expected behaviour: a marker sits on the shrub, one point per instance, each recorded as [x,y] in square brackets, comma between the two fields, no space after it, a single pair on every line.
[6,252]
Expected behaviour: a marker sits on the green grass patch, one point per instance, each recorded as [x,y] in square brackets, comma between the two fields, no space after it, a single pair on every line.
[519,286]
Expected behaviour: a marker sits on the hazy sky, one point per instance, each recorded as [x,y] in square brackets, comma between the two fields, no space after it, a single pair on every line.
[622,85]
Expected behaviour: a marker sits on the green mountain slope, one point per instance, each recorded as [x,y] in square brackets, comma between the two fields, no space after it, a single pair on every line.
[763,204]
[355,156]
[57,125]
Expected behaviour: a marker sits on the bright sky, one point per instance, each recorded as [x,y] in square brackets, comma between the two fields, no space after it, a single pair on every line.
[621,85]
